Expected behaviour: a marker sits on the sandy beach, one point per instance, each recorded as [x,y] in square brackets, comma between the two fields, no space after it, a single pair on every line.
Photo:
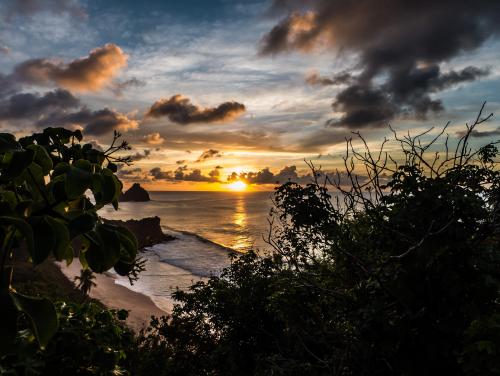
[115,296]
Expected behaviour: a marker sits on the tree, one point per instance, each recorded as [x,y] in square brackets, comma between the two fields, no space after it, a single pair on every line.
[394,272]
[44,207]
[85,281]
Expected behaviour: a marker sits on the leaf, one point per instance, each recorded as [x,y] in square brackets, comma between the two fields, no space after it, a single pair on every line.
[15,163]
[42,158]
[41,313]
[103,251]
[23,227]
[8,143]
[62,243]
[8,323]
[128,244]
[112,167]
[82,224]
[78,180]
[45,238]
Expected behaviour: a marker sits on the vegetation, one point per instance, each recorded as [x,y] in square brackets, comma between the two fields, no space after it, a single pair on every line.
[44,211]
[392,271]
[90,341]
[396,275]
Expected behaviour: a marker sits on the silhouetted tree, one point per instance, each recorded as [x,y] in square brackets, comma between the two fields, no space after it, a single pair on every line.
[85,281]
[395,272]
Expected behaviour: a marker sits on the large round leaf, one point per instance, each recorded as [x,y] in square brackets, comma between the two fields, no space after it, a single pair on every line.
[41,313]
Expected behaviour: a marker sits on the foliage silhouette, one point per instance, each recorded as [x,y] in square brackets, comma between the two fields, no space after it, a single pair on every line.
[396,273]
[85,281]
[43,206]
[91,340]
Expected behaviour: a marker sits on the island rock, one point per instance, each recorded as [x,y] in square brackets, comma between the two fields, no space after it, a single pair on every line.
[135,193]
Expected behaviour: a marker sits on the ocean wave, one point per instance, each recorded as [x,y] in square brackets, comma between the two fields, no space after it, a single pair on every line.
[192,253]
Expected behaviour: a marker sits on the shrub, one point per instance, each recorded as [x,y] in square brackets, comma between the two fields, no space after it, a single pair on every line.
[395,273]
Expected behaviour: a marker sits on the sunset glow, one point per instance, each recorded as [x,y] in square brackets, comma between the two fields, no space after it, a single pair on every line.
[238,186]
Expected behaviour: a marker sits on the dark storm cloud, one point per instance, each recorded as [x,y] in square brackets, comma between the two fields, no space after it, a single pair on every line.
[400,45]
[89,73]
[179,109]
[34,105]
[95,123]
[208,154]
[8,85]
[182,174]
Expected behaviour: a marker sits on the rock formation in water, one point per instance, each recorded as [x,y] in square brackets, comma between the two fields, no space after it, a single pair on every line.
[147,230]
[135,193]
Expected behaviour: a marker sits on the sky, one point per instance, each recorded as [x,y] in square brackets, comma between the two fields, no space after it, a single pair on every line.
[213,92]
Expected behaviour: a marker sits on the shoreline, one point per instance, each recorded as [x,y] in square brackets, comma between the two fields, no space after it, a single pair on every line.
[116,296]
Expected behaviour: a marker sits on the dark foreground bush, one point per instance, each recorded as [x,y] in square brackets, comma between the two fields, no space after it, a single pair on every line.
[91,340]
[396,275]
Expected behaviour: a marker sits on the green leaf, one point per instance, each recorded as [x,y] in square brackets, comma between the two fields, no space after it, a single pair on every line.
[8,143]
[78,180]
[41,313]
[23,227]
[15,163]
[42,158]
[128,243]
[82,224]
[103,251]
[62,244]
[45,238]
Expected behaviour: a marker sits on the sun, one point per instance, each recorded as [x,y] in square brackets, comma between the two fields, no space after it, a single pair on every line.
[238,186]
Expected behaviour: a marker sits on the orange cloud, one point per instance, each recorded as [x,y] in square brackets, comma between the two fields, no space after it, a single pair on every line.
[154,139]
[90,73]
[179,109]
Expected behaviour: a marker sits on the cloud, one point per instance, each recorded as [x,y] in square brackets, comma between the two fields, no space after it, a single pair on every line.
[95,123]
[133,174]
[9,85]
[35,105]
[400,47]
[118,87]
[4,50]
[481,134]
[179,109]
[90,73]
[208,154]
[266,176]
[138,156]
[154,139]
[31,7]
[182,174]
[314,79]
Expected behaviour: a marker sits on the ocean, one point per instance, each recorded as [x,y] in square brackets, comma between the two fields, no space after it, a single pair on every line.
[206,226]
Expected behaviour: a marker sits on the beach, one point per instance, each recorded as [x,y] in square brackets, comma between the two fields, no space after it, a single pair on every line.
[115,296]
[202,228]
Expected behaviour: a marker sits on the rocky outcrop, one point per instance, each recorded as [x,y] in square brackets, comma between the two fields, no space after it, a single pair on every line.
[147,230]
[135,193]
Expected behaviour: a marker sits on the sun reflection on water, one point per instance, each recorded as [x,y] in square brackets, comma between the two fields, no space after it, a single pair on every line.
[242,241]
